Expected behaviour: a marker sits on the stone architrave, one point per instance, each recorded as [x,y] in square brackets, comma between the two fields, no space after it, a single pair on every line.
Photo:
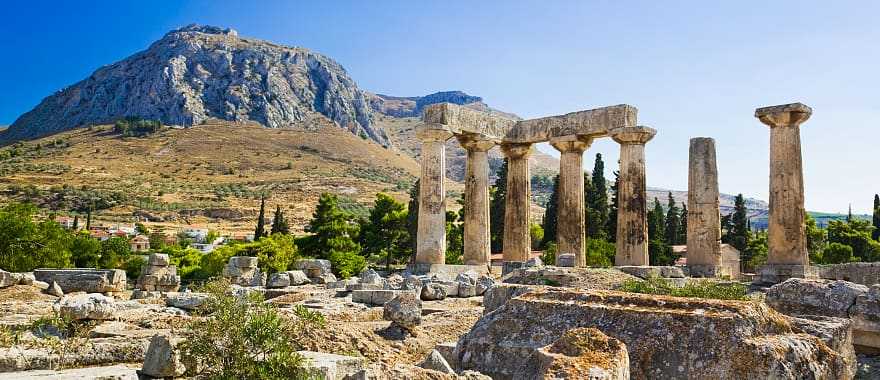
[704,218]
[571,219]
[787,247]
[632,212]
[431,244]
[517,241]
[476,200]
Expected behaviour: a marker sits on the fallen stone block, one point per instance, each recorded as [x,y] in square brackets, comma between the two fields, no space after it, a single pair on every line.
[799,296]
[433,292]
[565,260]
[84,280]
[646,272]
[313,267]
[7,279]
[186,301]
[583,278]
[278,280]
[666,337]
[436,362]
[55,290]
[405,310]
[40,285]
[162,359]
[394,282]
[375,297]
[447,350]
[90,306]
[499,294]
[334,367]
[582,353]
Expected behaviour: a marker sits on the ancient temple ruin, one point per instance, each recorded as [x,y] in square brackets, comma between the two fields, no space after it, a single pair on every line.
[571,134]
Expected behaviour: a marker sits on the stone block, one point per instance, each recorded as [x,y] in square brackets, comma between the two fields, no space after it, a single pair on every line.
[84,279]
[777,273]
[334,367]
[7,279]
[797,296]
[565,260]
[362,286]
[497,295]
[244,261]
[375,297]
[432,292]
[446,349]
[278,280]
[672,337]
[645,271]
[436,362]
[87,306]
[445,271]
[298,277]
[313,267]
[579,352]
[162,359]
[405,310]
[159,260]
[186,301]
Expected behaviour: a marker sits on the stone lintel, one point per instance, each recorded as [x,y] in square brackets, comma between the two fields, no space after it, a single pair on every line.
[784,115]
[633,135]
[475,142]
[461,120]
[595,122]
[433,132]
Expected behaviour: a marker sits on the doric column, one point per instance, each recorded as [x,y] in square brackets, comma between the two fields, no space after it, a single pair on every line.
[787,248]
[431,244]
[517,241]
[632,210]
[476,200]
[570,216]
[704,218]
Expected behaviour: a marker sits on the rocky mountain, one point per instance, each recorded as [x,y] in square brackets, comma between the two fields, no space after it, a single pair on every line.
[198,73]
[397,106]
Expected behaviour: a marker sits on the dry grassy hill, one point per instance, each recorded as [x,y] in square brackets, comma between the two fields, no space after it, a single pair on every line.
[210,175]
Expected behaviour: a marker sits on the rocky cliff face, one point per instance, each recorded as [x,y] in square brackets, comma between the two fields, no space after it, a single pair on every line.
[198,73]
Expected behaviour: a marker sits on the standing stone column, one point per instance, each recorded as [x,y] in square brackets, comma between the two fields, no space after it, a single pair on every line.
[517,241]
[570,218]
[476,200]
[632,210]
[787,254]
[704,215]
[431,244]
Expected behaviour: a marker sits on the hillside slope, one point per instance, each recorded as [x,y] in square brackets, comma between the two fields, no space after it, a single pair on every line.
[210,174]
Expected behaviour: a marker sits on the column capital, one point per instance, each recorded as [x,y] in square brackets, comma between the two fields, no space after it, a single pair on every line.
[427,134]
[516,150]
[474,143]
[633,135]
[784,115]
[573,143]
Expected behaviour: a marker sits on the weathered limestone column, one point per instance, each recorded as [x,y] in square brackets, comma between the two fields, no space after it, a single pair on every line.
[704,215]
[632,211]
[476,200]
[570,218]
[517,241]
[787,255]
[431,244]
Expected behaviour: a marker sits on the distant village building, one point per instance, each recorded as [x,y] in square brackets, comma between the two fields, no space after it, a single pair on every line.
[99,234]
[197,234]
[65,221]
[140,243]
[730,258]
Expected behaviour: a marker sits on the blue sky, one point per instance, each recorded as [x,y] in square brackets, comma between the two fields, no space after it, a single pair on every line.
[692,68]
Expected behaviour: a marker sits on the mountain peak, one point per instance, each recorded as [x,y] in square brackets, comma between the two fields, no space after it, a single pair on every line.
[190,76]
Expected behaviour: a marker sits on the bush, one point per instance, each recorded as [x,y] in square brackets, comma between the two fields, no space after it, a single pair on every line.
[347,264]
[549,254]
[836,253]
[694,288]
[245,338]
[600,252]
[133,266]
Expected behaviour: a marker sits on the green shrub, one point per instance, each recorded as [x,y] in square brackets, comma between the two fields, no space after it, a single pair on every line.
[133,266]
[694,288]
[245,338]
[347,264]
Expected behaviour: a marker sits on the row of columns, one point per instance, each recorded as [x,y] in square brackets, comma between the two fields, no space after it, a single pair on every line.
[632,247]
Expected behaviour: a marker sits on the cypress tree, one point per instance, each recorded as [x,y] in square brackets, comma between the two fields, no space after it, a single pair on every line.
[279,224]
[597,200]
[75,222]
[656,222]
[739,220]
[611,225]
[89,218]
[683,230]
[550,212]
[673,223]
[260,231]
[496,209]
[876,233]
[412,217]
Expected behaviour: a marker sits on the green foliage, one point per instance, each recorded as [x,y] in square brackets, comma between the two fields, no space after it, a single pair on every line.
[596,202]
[260,231]
[136,127]
[656,222]
[276,253]
[550,213]
[738,231]
[660,253]
[157,240]
[537,235]
[246,338]
[600,252]
[114,252]
[85,251]
[673,222]
[836,253]
[133,266]
[498,197]
[141,229]
[815,239]
[385,232]
[26,245]
[856,234]
[548,256]
[279,224]
[188,262]
[334,237]
[455,237]
[876,218]
[693,288]
[683,227]
[611,225]
[412,216]
[755,254]
[211,236]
